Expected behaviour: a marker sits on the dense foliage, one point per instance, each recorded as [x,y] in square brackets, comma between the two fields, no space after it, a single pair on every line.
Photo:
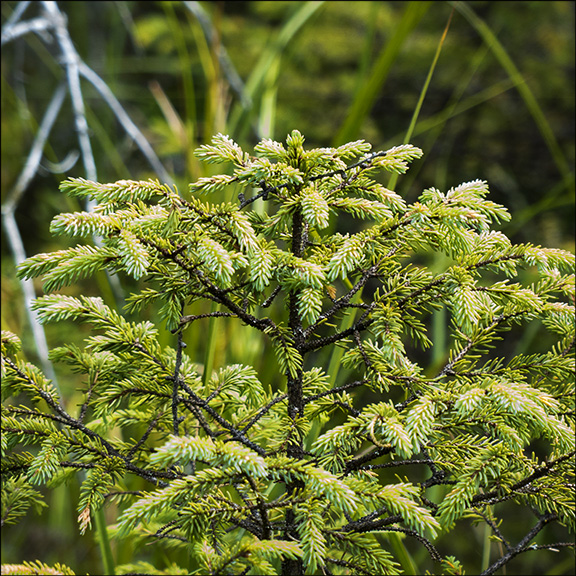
[319,469]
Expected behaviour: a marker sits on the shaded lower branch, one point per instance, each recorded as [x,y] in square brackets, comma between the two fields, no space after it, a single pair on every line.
[73,423]
[522,546]
[359,461]
[434,554]
[175,381]
[192,318]
[236,434]
[539,473]
[263,411]
[326,340]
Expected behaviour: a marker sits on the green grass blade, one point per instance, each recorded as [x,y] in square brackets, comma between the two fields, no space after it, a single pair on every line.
[523,88]
[364,68]
[460,107]
[402,554]
[104,543]
[486,545]
[366,96]
[267,115]
[268,66]
[346,322]
[557,197]
[211,346]
[423,92]
[186,64]
[434,125]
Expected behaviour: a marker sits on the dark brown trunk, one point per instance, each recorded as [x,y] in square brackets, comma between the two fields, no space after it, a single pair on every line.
[294,448]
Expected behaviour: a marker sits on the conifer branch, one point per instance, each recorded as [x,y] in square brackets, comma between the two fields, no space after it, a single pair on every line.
[272,477]
[175,380]
[77,425]
[521,547]
[337,390]
[145,436]
[494,529]
[358,462]
[236,434]
[194,408]
[263,411]
[434,554]
[344,301]
[447,370]
[319,343]
[192,318]
[266,528]
[542,471]
[369,524]
[270,298]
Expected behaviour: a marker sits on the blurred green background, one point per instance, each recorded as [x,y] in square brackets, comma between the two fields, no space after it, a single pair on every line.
[497,104]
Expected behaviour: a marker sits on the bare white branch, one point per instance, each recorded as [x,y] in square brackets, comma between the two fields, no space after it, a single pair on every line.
[131,129]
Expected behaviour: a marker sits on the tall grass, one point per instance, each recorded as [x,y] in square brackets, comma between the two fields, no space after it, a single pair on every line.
[523,87]
[372,86]
[262,84]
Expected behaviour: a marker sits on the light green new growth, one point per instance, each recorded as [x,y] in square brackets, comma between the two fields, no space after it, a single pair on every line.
[294,475]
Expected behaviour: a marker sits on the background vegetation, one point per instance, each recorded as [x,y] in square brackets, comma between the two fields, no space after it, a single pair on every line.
[497,104]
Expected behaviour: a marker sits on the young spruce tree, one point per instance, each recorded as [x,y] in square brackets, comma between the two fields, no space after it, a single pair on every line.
[307,473]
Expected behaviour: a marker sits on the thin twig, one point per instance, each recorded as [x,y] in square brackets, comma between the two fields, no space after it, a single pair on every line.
[434,554]
[263,411]
[232,76]
[192,318]
[522,546]
[343,388]
[71,61]
[236,434]
[342,302]
[12,31]
[19,9]
[150,428]
[126,122]
[176,381]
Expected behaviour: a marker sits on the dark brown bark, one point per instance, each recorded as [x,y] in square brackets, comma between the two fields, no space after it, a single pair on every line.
[294,448]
